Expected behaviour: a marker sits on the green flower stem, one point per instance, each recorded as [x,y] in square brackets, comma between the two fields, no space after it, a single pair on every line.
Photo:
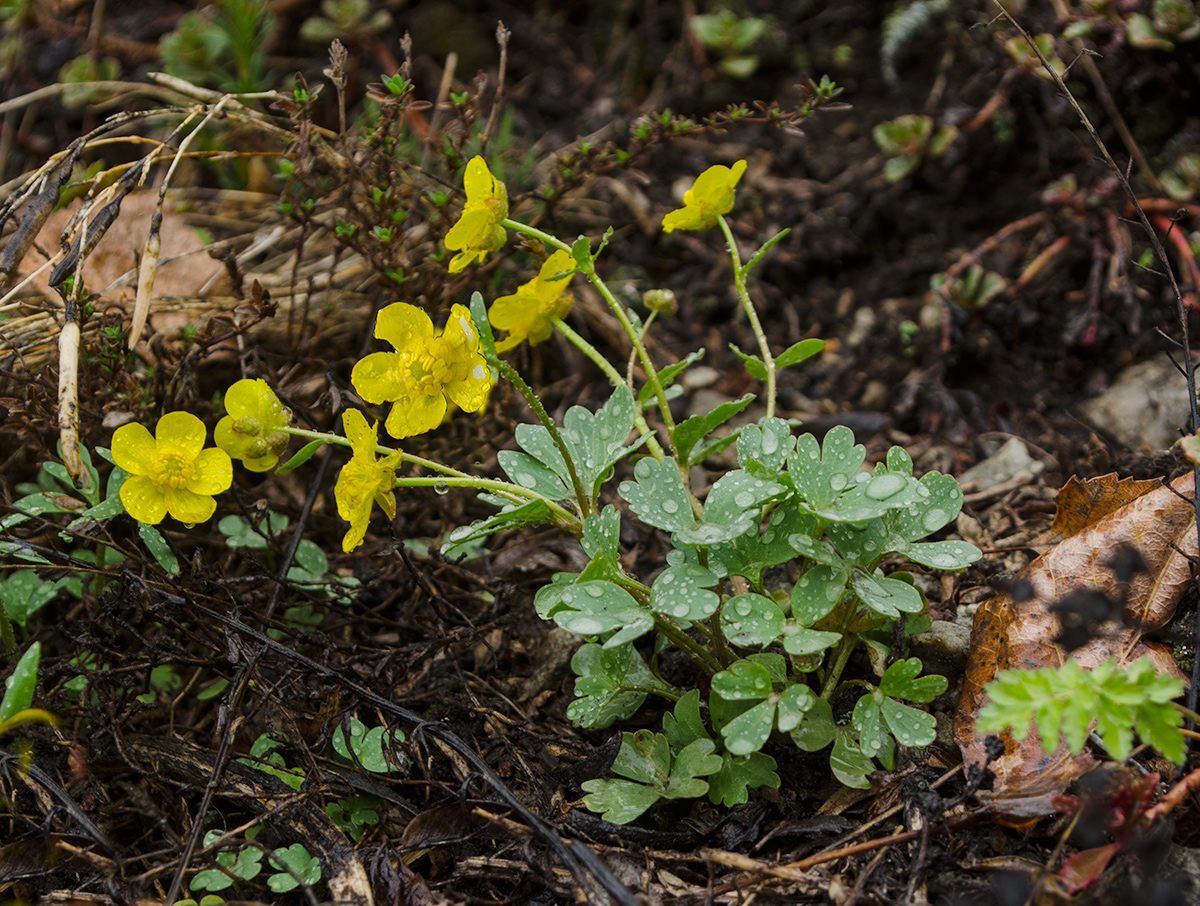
[739,282]
[689,646]
[669,694]
[613,375]
[845,648]
[454,478]
[566,518]
[697,652]
[589,271]
[581,497]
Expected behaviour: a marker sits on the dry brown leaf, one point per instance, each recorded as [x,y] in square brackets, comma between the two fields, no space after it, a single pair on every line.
[1160,525]
[1082,502]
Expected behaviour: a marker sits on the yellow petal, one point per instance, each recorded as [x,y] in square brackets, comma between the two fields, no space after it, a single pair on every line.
[189,508]
[463,259]
[505,311]
[473,231]
[214,473]
[416,416]
[460,329]
[142,499]
[229,440]
[261,463]
[374,377]
[183,431]
[471,393]
[386,500]
[132,447]
[244,398]
[401,323]
[360,434]
[479,181]
[556,264]
[353,498]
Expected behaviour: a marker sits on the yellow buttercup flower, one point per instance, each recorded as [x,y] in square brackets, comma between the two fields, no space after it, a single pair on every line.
[170,471]
[526,313]
[709,197]
[425,370]
[478,230]
[250,432]
[364,479]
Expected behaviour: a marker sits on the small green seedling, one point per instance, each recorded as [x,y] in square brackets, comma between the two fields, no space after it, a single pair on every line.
[370,748]
[299,867]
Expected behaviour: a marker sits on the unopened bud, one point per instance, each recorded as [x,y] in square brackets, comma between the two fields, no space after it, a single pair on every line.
[661,301]
[246,424]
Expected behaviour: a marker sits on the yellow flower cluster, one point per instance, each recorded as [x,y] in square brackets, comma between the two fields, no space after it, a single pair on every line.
[171,472]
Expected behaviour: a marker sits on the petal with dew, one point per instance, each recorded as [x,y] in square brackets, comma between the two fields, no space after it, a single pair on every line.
[143,500]
[375,377]
[401,323]
[183,431]
[470,394]
[132,448]
[214,472]
[416,415]
[189,508]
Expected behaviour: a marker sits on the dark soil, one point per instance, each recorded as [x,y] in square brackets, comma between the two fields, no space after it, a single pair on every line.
[487,807]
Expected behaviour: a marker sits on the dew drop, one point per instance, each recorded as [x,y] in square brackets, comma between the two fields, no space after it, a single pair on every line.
[768,537]
[643,470]
[524,479]
[881,487]
[670,506]
[742,608]
[681,610]
[743,498]
[593,591]
[934,519]
[837,481]
[584,626]
[189,525]
[770,443]
[441,488]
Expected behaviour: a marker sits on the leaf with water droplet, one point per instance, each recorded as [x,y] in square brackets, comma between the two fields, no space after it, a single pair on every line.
[532,474]
[607,678]
[683,592]
[533,512]
[593,608]
[817,597]
[763,448]
[732,508]
[658,481]
[888,597]
[751,619]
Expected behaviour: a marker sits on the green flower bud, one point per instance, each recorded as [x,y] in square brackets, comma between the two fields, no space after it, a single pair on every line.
[661,301]
[247,424]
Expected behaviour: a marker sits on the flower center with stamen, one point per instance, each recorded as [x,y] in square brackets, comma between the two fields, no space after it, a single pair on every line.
[170,469]
[425,368]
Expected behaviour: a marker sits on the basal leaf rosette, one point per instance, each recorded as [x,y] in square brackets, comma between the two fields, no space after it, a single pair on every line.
[251,430]
[170,471]
[526,313]
[711,196]
[364,480]
[427,369]
[478,230]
